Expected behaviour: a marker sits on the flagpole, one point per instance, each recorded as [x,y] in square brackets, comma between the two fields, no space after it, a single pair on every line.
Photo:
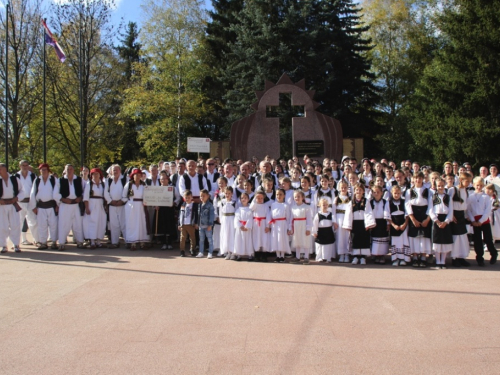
[7,85]
[44,99]
[82,154]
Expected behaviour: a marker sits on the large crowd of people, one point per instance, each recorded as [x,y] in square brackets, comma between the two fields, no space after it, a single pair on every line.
[261,210]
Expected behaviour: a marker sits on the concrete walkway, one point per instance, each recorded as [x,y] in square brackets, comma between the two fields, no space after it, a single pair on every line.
[151,312]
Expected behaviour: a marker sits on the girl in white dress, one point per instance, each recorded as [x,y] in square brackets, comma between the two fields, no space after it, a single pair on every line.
[279,224]
[135,214]
[301,226]
[226,209]
[243,223]
[260,231]
[94,220]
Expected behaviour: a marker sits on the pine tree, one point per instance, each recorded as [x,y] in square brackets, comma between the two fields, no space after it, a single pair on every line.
[129,53]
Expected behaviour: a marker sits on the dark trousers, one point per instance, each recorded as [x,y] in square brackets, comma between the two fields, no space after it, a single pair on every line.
[480,232]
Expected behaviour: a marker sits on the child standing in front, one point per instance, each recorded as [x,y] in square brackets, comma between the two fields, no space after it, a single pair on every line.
[340,205]
[243,223]
[279,223]
[324,223]
[260,232]
[495,214]
[226,211]
[188,217]
[459,195]
[301,226]
[400,246]
[478,212]
[358,221]
[379,208]
[441,214]
[206,216]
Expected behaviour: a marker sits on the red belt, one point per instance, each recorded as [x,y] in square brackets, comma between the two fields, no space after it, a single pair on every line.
[259,219]
[275,220]
[243,222]
[477,217]
[298,219]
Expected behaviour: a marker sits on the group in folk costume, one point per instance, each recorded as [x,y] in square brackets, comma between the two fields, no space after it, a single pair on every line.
[441,214]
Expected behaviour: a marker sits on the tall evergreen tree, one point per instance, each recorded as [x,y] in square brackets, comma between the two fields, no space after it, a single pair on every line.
[456,111]
[129,54]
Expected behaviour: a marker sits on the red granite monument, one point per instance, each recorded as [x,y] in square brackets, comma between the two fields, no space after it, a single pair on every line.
[314,134]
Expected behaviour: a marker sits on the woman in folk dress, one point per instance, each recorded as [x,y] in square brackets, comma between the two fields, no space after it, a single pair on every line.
[135,215]
[94,220]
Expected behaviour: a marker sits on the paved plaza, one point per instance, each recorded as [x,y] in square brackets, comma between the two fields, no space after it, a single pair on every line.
[151,312]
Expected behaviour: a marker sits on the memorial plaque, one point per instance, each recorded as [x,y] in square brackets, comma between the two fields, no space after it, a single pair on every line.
[310,148]
[159,196]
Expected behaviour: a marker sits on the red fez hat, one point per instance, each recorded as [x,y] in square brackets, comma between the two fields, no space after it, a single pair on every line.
[97,170]
[134,172]
[44,165]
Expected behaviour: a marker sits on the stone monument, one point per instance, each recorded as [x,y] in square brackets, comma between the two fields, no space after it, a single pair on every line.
[314,134]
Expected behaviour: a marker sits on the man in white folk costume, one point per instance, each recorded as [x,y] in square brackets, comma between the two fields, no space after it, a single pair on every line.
[69,194]
[113,191]
[42,203]
[27,177]
[11,191]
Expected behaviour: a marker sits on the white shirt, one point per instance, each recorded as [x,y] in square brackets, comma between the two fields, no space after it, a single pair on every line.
[195,188]
[479,205]
[26,181]
[114,191]
[8,191]
[45,191]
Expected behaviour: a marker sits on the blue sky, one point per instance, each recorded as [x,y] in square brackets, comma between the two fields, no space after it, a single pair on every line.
[130,10]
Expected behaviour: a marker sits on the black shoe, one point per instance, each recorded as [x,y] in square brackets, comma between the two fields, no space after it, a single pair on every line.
[414,263]
[463,262]
[282,260]
[192,253]
[263,258]
[493,259]
[456,263]
[251,258]
[183,254]
[238,258]
[423,264]
[480,262]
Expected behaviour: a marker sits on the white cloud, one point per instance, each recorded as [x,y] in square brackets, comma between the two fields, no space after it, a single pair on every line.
[115,6]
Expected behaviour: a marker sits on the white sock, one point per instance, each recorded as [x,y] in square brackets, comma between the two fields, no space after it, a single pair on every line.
[23,236]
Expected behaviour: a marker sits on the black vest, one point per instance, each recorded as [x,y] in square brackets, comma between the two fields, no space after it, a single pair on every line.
[52,180]
[209,183]
[187,181]
[32,176]
[372,203]
[394,208]
[123,180]
[64,187]
[15,186]
[149,181]
[358,206]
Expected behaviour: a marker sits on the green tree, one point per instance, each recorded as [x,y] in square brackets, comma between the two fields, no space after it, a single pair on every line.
[456,112]
[99,76]
[24,70]
[166,94]
[403,33]
[127,135]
